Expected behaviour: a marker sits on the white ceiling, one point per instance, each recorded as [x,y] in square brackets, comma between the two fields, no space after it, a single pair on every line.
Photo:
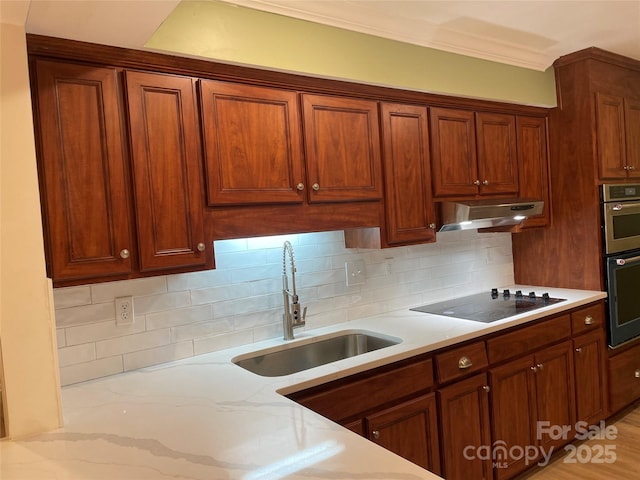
[526,33]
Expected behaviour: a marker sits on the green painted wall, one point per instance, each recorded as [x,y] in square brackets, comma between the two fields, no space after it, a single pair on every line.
[228,33]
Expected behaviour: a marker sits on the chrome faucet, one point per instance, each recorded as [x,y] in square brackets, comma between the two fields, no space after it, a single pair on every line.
[291,317]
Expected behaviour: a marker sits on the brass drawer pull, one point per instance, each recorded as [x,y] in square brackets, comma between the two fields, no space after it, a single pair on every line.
[588,320]
[464,363]
[637,373]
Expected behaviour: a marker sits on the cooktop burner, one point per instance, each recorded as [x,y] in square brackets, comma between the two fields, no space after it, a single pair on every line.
[489,307]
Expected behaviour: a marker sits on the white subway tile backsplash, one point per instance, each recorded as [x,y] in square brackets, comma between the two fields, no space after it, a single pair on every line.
[72,296]
[154,356]
[240,302]
[132,343]
[89,370]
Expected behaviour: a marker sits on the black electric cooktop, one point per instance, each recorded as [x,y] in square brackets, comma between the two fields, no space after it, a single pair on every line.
[489,306]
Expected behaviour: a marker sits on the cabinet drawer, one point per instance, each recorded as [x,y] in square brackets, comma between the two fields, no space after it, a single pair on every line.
[461,361]
[346,398]
[528,339]
[587,319]
[624,378]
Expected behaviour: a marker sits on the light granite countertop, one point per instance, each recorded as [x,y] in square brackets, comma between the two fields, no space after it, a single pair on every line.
[206,418]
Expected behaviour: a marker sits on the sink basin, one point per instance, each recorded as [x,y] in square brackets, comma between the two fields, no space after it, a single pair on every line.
[291,359]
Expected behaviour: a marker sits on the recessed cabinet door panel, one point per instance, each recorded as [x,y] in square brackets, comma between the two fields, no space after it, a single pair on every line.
[409,429]
[632,131]
[591,386]
[497,160]
[454,162]
[342,145]
[610,138]
[409,204]
[533,165]
[166,164]
[82,164]
[253,146]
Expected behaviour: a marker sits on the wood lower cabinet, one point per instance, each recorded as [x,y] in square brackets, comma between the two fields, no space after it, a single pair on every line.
[410,212]
[409,429]
[83,171]
[464,423]
[529,395]
[167,164]
[624,377]
[589,355]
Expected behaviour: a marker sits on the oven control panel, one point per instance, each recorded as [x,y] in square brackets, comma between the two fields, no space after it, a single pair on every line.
[620,192]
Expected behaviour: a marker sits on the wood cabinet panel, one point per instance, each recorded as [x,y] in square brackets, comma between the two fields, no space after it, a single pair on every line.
[409,429]
[527,339]
[624,378]
[464,418]
[589,357]
[513,403]
[461,361]
[533,165]
[410,212]
[454,160]
[167,170]
[610,138]
[632,136]
[252,143]
[497,155]
[342,146]
[342,400]
[83,172]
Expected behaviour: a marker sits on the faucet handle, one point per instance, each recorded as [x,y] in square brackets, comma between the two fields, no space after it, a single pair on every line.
[299,320]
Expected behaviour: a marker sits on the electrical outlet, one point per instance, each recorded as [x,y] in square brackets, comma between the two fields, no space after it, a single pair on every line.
[124,311]
[355,273]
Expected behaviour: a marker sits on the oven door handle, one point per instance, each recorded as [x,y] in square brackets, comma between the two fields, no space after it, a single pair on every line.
[623,261]
[616,207]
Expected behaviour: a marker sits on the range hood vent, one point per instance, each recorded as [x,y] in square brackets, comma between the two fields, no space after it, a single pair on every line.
[468,215]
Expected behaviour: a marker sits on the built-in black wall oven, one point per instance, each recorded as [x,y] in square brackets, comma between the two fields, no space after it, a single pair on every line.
[621,245]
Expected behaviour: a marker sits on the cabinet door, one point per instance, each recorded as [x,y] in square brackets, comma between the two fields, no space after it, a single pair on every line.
[409,429]
[454,163]
[610,138]
[464,417]
[513,406]
[632,136]
[167,170]
[342,145]
[555,400]
[497,159]
[408,201]
[624,378]
[533,165]
[252,144]
[82,171]
[591,388]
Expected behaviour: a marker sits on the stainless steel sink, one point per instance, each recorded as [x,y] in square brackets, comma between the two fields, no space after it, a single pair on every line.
[291,359]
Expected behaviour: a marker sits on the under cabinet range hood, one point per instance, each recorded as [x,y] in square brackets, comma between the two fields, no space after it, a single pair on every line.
[472,214]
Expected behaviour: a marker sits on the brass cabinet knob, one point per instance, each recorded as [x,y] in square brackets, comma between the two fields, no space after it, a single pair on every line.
[464,362]
[300,186]
[485,182]
[315,186]
[432,226]
[201,246]
[579,349]
[486,388]
[588,320]
[637,373]
[375,434]
[477,182]
[124,253]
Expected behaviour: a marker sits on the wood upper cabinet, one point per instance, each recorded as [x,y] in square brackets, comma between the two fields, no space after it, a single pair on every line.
[342,148]
[617,136]
[167,170]
[533,165]
[473,153]
[252,144]
[410,213]
[528,394]
[464,419]
[81,160]
[409,429]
